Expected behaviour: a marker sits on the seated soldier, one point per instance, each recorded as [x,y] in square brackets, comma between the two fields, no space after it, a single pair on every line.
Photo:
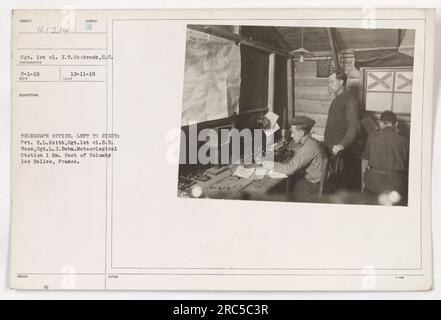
[306,162]
[387,153]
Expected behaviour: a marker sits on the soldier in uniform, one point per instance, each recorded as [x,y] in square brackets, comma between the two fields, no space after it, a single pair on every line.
[307,161]
[343,124]
[387,153]
[343,128]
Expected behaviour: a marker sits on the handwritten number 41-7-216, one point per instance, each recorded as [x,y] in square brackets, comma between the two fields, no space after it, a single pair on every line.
[47,29]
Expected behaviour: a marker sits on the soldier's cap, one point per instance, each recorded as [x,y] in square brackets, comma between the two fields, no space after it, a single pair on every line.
[308,122]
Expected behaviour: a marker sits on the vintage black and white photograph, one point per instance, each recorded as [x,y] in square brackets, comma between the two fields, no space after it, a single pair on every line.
[225,150]
[296,114]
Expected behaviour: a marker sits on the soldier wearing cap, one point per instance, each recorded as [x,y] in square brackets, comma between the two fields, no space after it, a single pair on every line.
[388,155]
[307,161]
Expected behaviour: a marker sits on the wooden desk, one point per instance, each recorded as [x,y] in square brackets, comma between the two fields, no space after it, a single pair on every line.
[227,186]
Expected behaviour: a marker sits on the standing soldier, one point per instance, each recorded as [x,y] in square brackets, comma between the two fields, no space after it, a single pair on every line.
[342,125]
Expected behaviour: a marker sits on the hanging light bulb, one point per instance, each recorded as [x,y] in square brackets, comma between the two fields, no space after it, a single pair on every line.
[301,51]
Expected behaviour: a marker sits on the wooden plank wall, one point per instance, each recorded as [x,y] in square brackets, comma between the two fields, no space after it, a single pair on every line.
[311,95]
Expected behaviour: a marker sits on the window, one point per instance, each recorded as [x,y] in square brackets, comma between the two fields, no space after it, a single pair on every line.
[388,89]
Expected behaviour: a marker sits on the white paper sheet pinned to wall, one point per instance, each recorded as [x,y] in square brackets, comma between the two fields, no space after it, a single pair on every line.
[211,78]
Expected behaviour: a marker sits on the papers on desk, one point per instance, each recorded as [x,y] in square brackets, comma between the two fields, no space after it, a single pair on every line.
[257,173]
[277,175]
[268,168]
[242,172]
[261,171]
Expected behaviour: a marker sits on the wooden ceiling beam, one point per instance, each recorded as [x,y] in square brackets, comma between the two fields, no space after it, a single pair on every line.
[334,49]
[282,39]
[239,39]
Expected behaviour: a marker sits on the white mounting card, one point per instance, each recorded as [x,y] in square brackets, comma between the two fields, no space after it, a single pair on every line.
[97,129]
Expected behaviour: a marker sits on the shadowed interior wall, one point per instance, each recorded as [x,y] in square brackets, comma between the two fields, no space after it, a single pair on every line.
[254,75]
[280,88]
